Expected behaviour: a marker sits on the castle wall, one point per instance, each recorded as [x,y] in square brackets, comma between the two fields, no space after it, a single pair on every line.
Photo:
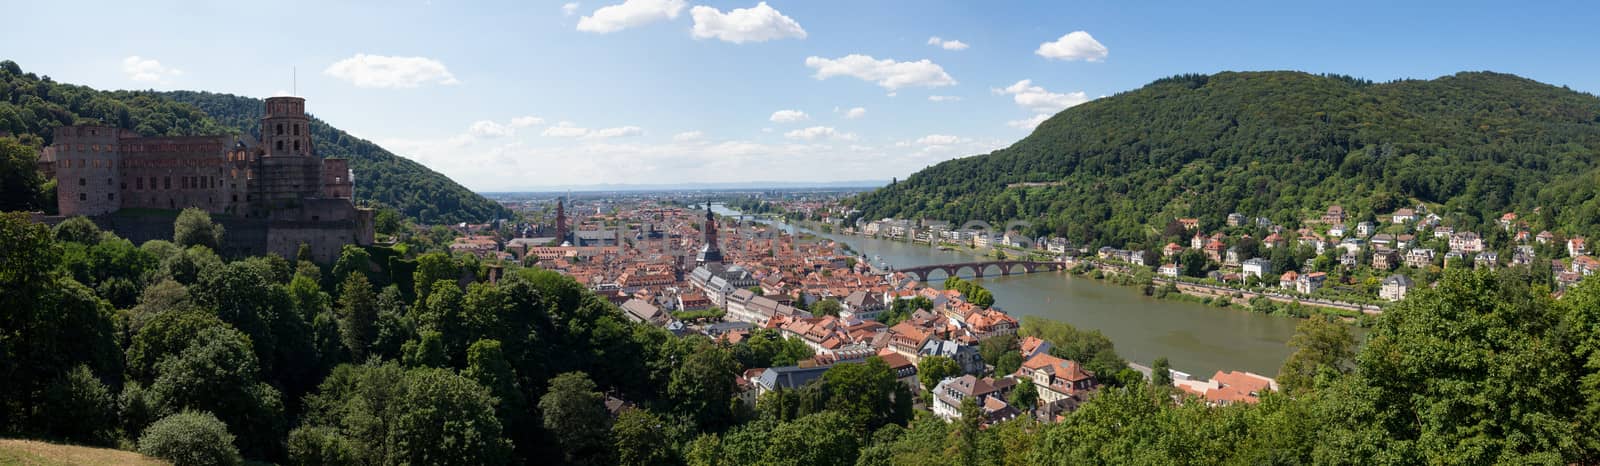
[87,171]
[179,172]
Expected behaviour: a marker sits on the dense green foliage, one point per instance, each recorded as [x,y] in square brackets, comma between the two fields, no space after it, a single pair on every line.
[32,106]
[1281,145]
[190,438]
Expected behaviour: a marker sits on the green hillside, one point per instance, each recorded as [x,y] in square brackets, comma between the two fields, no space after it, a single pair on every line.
[31,106]
[1281,145]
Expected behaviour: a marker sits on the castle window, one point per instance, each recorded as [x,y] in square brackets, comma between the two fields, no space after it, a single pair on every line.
[138,183]
[297,147]
[280,129]
[111,196]
[296,129]
[108,182]
[83,182]
[235,198]
[167,182]
[83,197]
[280,145]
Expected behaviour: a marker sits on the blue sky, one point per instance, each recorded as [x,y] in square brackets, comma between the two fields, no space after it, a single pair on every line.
[522,95]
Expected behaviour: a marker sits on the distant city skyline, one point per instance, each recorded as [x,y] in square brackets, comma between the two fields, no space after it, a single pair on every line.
[514,96]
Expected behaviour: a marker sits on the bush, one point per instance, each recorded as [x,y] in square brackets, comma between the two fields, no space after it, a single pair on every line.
[190,438]
[320,446]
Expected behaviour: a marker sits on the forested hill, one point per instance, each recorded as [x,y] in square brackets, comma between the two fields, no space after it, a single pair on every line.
[1281,145]
[31,106]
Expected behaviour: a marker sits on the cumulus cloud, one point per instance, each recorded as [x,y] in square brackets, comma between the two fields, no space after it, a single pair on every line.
[1076,45]
[688,136]
[486,128]
[1029,123]
[944,98]
[788,116]
[855,113]
[940,139]
[1038,99]
[815,133]
[148,70]
[630,13]
[526,121]
[569,9]
[379,71]
[947,44]
[889,74]
[760,23]
[567,129]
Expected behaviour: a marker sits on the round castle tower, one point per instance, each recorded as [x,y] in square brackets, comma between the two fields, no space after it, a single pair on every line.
[88,169]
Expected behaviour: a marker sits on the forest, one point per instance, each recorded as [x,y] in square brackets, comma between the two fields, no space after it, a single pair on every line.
[31,106]
[1282,145]
[167,349]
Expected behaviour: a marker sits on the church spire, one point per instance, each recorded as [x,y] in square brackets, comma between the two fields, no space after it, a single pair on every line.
[710,252]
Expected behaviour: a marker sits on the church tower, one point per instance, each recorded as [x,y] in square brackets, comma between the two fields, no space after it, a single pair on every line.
[710,253]
[561,219]
[285,130]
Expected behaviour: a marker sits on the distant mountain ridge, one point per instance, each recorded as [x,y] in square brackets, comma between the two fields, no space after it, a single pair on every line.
[1279,144]
[31,106]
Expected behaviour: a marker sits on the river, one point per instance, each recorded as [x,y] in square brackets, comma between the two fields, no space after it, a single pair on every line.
[1195,338]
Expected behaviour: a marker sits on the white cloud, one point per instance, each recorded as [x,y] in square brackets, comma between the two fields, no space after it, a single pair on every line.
[621,131]
[148,70]
[526,121]
[630,13]
[760,23]
[940,139]
[1040,100]
[947,44]
[489,129]
[855,113]
[1076,45]
[819,133]
[1029,123]
[569,9]
[944,98]
[565,129]
[888,73]
[688,136]
[379,71]
[788,116]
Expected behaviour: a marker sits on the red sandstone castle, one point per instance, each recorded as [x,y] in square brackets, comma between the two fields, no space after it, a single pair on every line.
[271,195]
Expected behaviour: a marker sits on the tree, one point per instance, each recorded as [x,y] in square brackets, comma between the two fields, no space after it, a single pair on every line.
[78,229]
[218,373]
[358,315]
[487,365]
[990,349]
[967,432]
[1194,263]
[867,394]
[163,335]
[933,369]
[190,438]
[1320,347]
[352,259]
[825,438]
[576,415]
[20,183]
[80,409]
[1008,363]
[826,307]
[433,268]
[702,387]
[1025,397]
[446,419]
[1161,373]
[195,228]
[640,439]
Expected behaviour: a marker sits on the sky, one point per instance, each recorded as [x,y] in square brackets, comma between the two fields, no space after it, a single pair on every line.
[522,95]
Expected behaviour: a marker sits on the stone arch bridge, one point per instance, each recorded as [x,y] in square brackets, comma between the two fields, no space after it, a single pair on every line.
[978,269]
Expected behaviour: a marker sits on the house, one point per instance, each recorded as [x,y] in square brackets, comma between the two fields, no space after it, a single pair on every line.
[1257,267]
[905,371]
[1349,260]
[1189,223]
[1056,378]
[1508,220]
[861,304]
[1337,231]
[1466,242]
[1443,232]
[787,378]
[1522,256]
[1171,250]
[1232,257]
[1395,287]
[1236,219]
[1288,279]
[1544,237]
[1334,215]
[1308,283]
[1419,257]
[1489,259]
[964,355]
[1404,241]
[980,240]
[1585,265]
[1365,229]
[989,394]
[1057,246]
[639,310]
[1214,250]
[1168,270]
[1034,345]
[1226,388]
[1197,241]
[1273,240]
[1403,215]
[1383,240]
[1385,259]
[1577,247]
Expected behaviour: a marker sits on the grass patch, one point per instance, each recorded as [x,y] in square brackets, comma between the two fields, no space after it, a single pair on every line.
[36,453]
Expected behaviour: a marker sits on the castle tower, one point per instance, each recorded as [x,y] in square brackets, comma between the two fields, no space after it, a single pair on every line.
[88,165]
[710,253]
[285,130]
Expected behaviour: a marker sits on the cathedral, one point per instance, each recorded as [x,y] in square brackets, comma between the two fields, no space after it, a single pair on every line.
[272,195]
